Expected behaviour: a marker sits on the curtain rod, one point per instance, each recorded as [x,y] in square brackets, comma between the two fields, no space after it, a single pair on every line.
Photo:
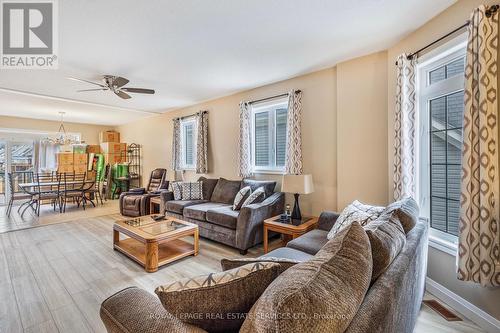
[490,11]
[192,115]
[272,97]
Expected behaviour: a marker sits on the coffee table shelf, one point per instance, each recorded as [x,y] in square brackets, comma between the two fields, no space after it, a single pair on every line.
[153,244]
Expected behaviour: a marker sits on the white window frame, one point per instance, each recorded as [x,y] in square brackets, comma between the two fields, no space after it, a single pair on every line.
[184,124]
[448,52]
[267,106]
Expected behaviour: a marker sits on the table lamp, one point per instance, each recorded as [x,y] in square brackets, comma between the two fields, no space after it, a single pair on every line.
[297,184]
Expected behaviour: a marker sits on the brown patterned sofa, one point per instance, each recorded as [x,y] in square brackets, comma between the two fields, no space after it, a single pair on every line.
[391,303]
[215,217]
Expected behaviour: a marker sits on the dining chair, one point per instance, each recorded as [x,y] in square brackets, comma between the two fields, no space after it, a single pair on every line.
[73,189]
[16,194]
[93,189]
[48,187]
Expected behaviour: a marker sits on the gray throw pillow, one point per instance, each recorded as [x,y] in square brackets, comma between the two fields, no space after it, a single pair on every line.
[218,302]
[257,196]
[387,239]
[241,196]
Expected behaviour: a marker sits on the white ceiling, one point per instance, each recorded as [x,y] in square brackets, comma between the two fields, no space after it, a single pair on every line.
[194,50]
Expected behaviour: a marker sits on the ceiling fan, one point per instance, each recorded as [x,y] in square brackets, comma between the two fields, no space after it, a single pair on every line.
[114,84]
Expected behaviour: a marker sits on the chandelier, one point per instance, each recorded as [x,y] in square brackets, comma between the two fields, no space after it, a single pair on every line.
[62,138]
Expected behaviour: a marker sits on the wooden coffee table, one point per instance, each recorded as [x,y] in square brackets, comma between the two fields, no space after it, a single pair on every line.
[288,230]
[155,243]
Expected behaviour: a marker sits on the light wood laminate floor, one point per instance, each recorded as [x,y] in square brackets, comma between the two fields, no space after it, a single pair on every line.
[53,278]
[29,219]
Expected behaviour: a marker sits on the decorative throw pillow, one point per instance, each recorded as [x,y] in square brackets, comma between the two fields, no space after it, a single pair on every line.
[355,212]
[218,302]
[406,211]
[387,239]
[285,263]
[322,294]
[192,190]
[177,190]
[257,196]
[241,196]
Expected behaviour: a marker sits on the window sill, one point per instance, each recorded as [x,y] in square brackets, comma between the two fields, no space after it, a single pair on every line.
[269,172]
[443,245]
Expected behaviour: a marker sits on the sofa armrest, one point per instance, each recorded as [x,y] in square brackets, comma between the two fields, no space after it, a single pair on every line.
[165,196]
[327,220]
[136,310]
[251,218]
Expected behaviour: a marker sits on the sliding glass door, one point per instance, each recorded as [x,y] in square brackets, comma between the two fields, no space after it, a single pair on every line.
[17,157]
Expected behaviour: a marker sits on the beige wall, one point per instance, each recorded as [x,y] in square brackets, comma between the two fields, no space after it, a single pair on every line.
[348,126]
[89,133]
[362,130]
[441,266]
[318,129]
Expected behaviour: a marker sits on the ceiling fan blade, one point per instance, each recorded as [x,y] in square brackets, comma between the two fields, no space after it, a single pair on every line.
[97,89]
[123,95]
[119,81]
[139,90]
[82,80]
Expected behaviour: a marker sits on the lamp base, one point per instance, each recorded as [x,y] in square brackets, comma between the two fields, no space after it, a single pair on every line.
[296,215]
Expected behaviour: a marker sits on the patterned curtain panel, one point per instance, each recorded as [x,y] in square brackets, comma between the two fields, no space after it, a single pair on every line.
[479,238]
[244,153]
[405,133]
[202,142]
[176,145]
[293,156]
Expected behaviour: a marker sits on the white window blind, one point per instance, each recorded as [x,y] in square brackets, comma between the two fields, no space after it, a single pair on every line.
[269,121]
[188,129]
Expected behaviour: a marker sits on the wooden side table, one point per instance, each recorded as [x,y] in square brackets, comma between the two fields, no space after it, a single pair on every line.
[288,230]
[154,205]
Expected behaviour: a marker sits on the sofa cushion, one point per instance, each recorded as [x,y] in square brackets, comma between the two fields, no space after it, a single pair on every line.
[208,186]
[285,256]
[387,239]
[225,217]
[406,211]
[310,242]
[225,191]
[199,212]
[218,302]
[255,184]
[326,291]
[177,206]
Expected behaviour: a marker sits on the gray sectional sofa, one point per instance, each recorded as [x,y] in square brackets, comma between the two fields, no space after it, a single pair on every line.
[391,303]
[215,217]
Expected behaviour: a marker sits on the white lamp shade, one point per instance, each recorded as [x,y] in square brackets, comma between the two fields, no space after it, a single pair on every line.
[301,184]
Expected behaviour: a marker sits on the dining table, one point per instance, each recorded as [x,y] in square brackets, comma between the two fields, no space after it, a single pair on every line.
[27,188]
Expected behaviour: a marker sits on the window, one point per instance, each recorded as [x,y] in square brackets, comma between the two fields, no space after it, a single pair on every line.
[188,139]
[269,135]
[441,108]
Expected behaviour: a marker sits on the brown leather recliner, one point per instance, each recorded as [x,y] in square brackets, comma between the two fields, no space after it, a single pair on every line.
[136,201]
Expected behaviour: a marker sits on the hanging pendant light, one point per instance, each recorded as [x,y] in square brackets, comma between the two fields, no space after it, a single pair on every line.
[62,138]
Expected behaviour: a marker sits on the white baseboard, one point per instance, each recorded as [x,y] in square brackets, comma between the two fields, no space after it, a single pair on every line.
[465,308]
